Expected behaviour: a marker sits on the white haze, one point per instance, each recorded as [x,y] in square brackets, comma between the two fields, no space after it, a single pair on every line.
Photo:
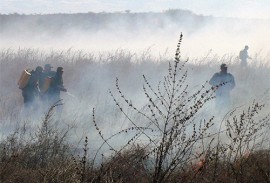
[89,83]
[221,35]
[229,8]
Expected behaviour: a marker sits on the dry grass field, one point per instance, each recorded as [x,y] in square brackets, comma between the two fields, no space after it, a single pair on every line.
[135,118]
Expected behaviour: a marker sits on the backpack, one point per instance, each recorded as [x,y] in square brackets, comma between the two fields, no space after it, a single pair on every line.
[24,79]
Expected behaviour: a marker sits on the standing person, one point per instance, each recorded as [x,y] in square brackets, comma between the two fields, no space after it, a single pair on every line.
[31,91]
[56,86]
[46,74]
[48,71]
[243,56]
[224,82]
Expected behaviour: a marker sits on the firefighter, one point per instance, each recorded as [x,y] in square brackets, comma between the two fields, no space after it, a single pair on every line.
[31,91]
[224,82]
[243,56]
[57,85]
[45,82]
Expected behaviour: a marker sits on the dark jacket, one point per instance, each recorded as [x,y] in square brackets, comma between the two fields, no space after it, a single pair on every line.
[31,90]
[56,86]
[219,79]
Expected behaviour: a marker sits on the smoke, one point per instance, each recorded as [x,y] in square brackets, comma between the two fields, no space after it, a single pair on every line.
[135,32]
[94,49]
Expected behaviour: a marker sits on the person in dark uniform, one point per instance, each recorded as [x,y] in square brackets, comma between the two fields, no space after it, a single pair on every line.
[224,82]
[57,85]
[31,91]
[46,74]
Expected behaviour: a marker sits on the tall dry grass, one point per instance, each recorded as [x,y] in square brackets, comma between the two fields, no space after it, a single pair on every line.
[168,133]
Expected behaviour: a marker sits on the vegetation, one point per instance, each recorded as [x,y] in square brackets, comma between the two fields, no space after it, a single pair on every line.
[98,21]
[172,137]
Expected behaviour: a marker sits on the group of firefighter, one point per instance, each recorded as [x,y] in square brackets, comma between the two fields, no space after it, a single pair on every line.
[41,84]
[46,85]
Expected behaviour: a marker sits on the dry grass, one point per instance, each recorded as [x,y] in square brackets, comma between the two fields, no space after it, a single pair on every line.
[164,137]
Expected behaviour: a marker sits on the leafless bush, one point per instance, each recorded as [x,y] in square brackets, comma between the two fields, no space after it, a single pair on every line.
[171,128]
[42,155]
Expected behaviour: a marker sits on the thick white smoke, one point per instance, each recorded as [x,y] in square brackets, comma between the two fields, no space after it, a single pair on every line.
[126,48]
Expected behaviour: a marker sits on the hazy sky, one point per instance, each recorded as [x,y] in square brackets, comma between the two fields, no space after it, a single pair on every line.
[225,8]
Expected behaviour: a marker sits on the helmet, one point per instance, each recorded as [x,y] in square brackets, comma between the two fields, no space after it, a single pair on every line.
[60,69]
[39,69]
[47,66]
[223,66]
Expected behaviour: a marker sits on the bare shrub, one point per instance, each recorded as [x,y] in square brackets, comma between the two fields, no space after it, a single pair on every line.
[43,155]
[170,125]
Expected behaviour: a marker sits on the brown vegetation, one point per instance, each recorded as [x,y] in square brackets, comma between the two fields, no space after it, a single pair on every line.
[165,141]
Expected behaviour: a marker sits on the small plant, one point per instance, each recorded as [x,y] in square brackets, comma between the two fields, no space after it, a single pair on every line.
[171,127]
[41,155]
